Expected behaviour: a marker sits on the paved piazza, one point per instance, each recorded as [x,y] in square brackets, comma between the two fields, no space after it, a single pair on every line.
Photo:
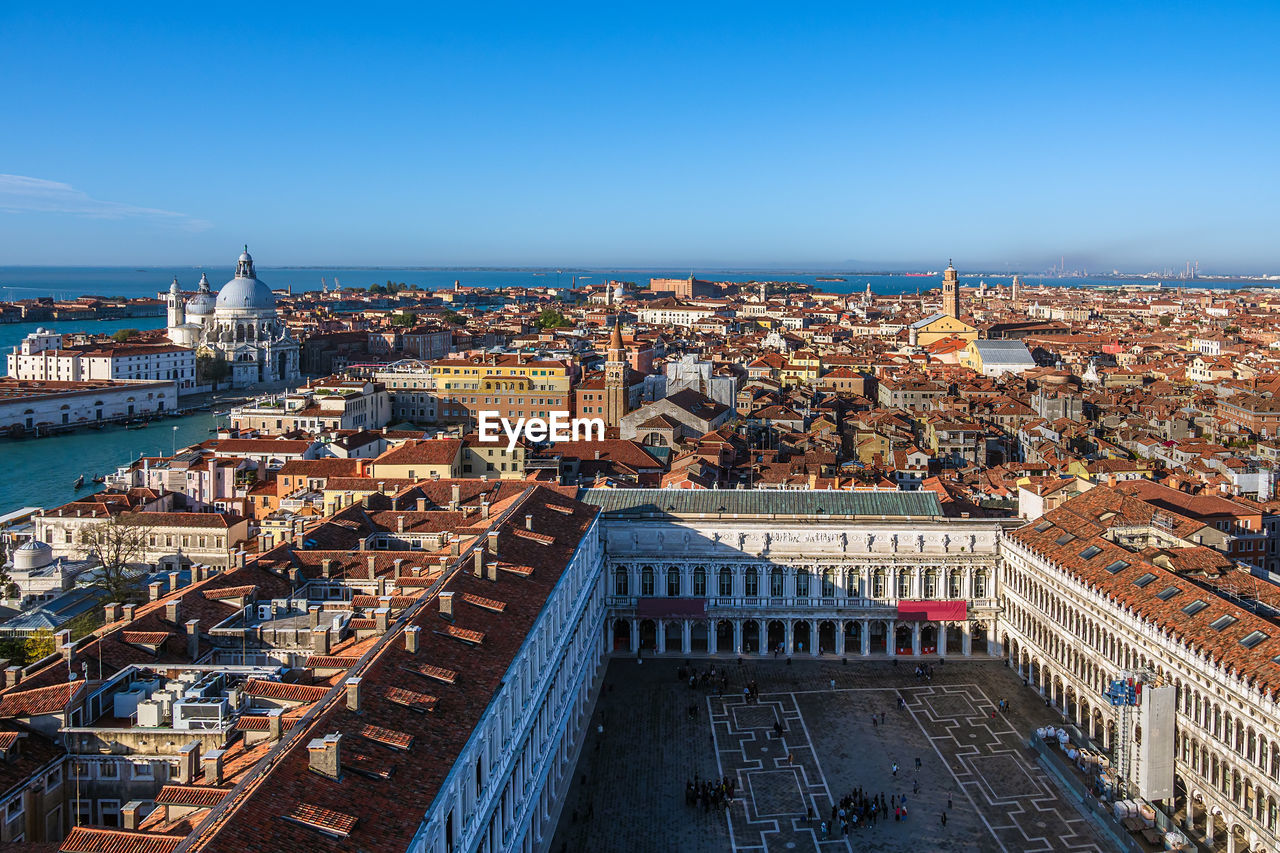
[647,740]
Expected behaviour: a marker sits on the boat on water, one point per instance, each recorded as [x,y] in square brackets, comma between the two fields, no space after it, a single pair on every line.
[918,274]
[79,481]
[142,425]
[98,479]
[830,278]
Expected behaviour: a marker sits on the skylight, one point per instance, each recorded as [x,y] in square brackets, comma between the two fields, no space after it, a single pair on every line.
[1144,580]
[1090,552]
[1117,567]
[1195,607]
[1065,538]
[1252,639]
[1168,592]
[1043,526]
[1223,622]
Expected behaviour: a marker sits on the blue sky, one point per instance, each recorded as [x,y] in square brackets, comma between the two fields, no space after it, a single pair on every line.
[1118,135]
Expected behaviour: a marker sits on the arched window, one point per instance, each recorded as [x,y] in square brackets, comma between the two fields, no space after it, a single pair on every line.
[646,580]
[980,585]
[620,581]
[699,581]
[775,583]
[954,579]
[931,584]
[802,583]
[828,583]
[673,582]
[751,583]
[726,583]
[877,584]
[904,584]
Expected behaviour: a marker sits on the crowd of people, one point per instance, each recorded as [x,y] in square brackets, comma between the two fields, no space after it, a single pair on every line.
[708,794]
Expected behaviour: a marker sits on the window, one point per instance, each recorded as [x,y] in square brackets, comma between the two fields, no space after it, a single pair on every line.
[980,585]
[1144,580]
[904,585]
[726,583]
[1043,526]
[1117,567]
[877,585]
[620,581]
[1195,607]
[1065,539]
[775,583]
[1168,592]
[751,581]
[1090,552]
[1252,639]
[802,584]
[700,581]
[144,771]
[1224,621]
[108,770]
[828,584]
[931,585]
[646,580]
[673,582]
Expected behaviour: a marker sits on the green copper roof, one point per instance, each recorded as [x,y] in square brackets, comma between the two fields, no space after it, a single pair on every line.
[760,502]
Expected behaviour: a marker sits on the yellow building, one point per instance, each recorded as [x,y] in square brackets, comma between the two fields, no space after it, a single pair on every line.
[939,326]
[419,460]
[803,368]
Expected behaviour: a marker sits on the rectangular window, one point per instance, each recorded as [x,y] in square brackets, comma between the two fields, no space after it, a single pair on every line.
[1195,607]
[1222,622]
[1168,592]
[1252,639]
[1144,580]
[1117,567]
[1090,552]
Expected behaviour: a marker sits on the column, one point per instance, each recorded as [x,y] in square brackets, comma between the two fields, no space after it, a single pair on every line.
[966,640]
[1190,819]
[839,637]
[737,636]
[686,634]
[942,639]
[1208,822]
[815,632]
[993,641]
[866,638]
[662,635]
[790,636]
[891,637]
[712,644]
[635,636]
[1231,841]
[915,639]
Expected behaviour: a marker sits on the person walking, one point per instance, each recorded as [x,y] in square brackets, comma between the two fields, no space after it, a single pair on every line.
[895,769]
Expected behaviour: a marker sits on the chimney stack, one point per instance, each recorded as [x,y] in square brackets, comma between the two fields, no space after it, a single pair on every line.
[155,589]
[274,727]
[422,504]
[239,559]
[455,547]
[411,639]
[399,524]
[173,611]
[484,508]
[326,568]
[455,497]
[129,611]
[130,815]
[320,640]
[62,640]
[446,605]
[479,562]
[313,615]
[188,762]
[493,542]
[193,639]
[353,694]
[326,755]
[295,578]
[372,562]
[112,612]
[528,521]
[212,764]
[12,676]
[382,619]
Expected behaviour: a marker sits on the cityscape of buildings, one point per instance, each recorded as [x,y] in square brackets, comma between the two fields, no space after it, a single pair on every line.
[348,621]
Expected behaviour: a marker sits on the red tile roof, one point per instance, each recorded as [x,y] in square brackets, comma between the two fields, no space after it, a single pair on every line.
[42,700]
[201,796]
[282,692]
[92,839]
[328,821]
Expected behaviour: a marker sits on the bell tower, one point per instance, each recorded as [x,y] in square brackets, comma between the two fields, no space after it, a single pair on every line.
[177,307]
[950,292]
[615,377]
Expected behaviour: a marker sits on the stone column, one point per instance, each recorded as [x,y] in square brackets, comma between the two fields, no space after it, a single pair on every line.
[635,636]
[866,638]
[789,626]
[1189,821]
[966,640]
[662,635]
[915,639]
[1231,841]
[686,634]
[713,645]
[891,637]
[815,631]
[737,636]
[839,636]
[993,642]
[1208,822]
[942,639]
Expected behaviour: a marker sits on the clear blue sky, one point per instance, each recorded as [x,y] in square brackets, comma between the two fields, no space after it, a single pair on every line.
[686,134]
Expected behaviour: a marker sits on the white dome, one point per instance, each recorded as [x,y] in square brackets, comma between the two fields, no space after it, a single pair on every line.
[245,292]
[32,555]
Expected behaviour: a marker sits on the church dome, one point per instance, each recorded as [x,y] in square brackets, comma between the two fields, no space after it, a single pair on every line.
[203,302]
[32,555]
[245,292]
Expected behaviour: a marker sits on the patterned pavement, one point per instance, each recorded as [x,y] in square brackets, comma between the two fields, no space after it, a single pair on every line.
[658,733]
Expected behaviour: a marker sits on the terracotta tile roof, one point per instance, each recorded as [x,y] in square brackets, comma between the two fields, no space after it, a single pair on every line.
[465,634]
[280,691]
[202,796]
[436,673]
[42,700]
[540,538]
[8,739]
[145,638]
[231,592]
[253,723]
[486,603]
[92,839]
[362,624]
[330,662]
[388,737]
[411,699]
[327,821]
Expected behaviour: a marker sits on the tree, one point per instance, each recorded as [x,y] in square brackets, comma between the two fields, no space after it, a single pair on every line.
[1165,321]
[550,318]
[211,369]
[117,542]
[404,318]
[454,318]
[123,335]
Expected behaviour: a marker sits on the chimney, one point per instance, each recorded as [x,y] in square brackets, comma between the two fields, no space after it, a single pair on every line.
[12,676]
[239,559]
[193,639]
[325,754]
[131,815]
[455,548]
[382,619]
[274,728]
[484,508]
[154,590]
[444,564]
[129,611]
[399,524]
[493,542]
[173,611]
[446,605]
[372,563]
[320,640]
[528,521]
[411,639]
[353,694]
[479,561]
[295,578]
[491,570]
[188,762]
[313,615]
[326,568]
[112,612]
[397,563]
[62,640]
[455,498]
[422,504]
[212,764]
[175,580]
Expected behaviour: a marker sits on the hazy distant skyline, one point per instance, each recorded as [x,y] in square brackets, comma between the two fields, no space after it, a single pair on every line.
[700,136]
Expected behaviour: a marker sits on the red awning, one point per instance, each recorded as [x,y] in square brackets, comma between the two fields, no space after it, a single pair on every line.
[933,611]
[665,608]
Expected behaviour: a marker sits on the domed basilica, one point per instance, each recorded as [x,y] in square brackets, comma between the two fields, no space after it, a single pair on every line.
[239,325]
